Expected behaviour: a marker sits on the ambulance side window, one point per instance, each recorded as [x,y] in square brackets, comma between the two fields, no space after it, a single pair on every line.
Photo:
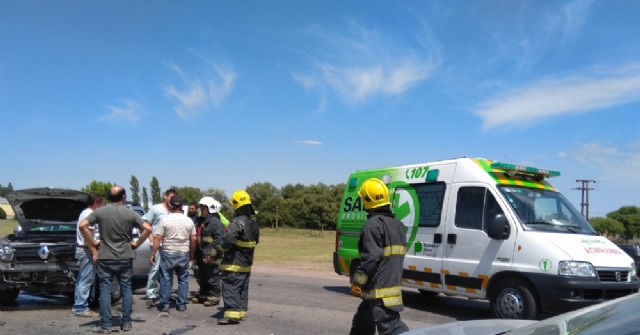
[430,197]
[476,207]
[469,207]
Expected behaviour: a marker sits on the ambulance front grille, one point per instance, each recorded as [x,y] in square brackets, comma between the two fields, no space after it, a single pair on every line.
[613,275]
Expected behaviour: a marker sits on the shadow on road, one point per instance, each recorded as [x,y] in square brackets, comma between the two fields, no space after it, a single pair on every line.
[459,308]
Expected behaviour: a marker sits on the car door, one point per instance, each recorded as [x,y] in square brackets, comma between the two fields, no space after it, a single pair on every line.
[419,207]
[470,256]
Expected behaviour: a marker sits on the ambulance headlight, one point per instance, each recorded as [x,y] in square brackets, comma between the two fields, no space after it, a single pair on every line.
[578,269]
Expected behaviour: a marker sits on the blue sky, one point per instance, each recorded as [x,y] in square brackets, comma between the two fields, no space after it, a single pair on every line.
[227,93]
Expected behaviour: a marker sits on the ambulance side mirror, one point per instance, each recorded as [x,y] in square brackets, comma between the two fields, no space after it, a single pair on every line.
[499,228]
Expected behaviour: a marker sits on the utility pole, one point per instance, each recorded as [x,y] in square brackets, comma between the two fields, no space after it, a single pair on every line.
[584,205]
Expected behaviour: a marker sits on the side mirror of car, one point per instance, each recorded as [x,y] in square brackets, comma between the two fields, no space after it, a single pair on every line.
[499,228]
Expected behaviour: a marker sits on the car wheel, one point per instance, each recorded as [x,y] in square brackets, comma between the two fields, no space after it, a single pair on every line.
[8,296]
[514,299]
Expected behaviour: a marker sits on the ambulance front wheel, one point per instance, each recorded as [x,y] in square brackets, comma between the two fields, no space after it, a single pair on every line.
[514,299]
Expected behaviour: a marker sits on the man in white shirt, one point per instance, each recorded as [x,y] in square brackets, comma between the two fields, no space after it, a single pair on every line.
[86,269]
[153,217]
[178,236]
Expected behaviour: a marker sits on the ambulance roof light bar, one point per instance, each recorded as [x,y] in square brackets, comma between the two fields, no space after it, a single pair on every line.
[512,169]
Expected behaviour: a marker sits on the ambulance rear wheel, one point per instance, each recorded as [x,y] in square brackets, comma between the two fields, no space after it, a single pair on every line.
[514,299]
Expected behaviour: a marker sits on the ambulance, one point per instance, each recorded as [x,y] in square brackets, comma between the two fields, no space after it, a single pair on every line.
[490,230]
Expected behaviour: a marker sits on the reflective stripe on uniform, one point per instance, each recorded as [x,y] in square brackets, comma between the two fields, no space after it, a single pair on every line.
[392,301]
[207,239]
[246,244]
[235,268]
[379,293]
[229,314]
[394,250]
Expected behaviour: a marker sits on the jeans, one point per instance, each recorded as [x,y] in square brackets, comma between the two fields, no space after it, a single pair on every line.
[123,270]
[84,281]
[152,280]
[170,261]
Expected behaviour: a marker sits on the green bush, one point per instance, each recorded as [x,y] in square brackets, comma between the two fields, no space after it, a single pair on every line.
[3,214]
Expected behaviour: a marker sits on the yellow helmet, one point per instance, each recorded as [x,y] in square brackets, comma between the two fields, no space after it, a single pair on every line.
[240,198]
[374,193]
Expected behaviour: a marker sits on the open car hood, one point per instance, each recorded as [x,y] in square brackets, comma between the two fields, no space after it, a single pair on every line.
[47,206]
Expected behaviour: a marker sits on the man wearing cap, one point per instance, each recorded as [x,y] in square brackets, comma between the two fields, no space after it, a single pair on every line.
[210,232]
[177,234]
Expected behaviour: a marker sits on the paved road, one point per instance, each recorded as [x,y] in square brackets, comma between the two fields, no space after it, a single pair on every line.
[284,300]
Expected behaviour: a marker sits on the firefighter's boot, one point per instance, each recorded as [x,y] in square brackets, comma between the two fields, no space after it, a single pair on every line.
[211,301]
[227,321]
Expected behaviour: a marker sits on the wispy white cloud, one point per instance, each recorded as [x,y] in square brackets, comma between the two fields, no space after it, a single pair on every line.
[365,63]
[130,112]
[199,94]
[575,14]
[525,33]
[550,97]
[308,142]
[616,164]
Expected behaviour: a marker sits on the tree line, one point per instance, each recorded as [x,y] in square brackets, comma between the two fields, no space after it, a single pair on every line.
[293,205]
[620,225]
[316,206]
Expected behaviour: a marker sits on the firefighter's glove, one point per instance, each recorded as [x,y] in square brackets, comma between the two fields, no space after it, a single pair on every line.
[356,290]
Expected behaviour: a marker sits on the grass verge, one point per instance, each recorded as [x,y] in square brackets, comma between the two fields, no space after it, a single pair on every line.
[295,245]
[6,227]
[276,245]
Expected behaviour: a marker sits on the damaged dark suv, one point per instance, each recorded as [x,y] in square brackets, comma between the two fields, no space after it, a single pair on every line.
[40,255]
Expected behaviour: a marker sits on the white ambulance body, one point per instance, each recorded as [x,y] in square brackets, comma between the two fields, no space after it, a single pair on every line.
[490,230]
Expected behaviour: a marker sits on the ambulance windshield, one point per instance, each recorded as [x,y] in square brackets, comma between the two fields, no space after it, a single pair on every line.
[546,210]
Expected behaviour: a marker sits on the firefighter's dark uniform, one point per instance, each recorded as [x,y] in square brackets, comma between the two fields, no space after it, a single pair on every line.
[238,244]
[210,233]
[382,247]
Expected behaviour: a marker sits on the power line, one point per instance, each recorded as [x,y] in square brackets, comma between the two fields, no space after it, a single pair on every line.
[584,204]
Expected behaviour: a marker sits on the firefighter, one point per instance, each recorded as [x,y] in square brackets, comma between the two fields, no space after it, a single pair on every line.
[238,245]
[209,238]
[378,278]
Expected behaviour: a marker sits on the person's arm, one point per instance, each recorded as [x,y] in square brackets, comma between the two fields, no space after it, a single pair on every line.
[148,217]
[235,228]
[88,239]
[156,246]
[372,252]
[144,234]
[192,247]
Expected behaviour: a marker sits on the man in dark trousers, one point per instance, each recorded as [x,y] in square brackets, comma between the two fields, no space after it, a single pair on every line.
[114,255]
[238,244]
[207,258]
[378,279]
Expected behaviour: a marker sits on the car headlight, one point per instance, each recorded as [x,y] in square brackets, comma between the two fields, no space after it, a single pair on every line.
[633,270]
[578,269]
[6,253]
